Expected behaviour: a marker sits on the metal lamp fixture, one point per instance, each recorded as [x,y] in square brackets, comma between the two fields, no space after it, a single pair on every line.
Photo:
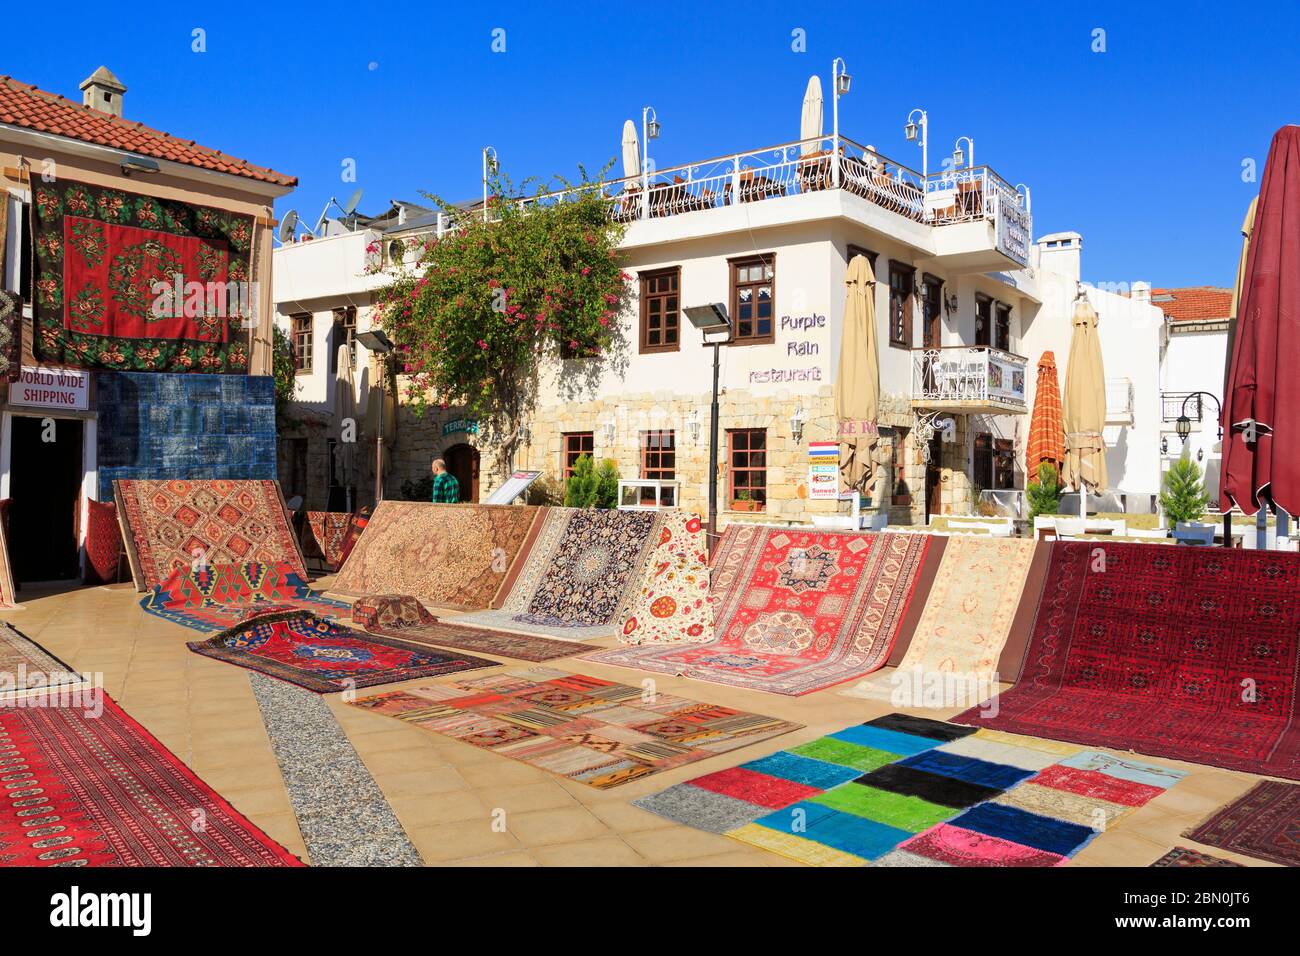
[610,431]
[713,321]
[840,83]
[693,426]
[917,131]
[796,424]
[1184,427]
[958,156]
[139,164]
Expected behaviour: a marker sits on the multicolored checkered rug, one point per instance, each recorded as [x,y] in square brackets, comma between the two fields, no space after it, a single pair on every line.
[906,791]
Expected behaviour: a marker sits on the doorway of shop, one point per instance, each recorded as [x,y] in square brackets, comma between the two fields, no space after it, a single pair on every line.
[933,477]
[462,463]
[45,474]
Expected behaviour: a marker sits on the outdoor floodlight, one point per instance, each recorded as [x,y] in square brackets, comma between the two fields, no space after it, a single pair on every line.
[375,341]
[139,164]
[709,318]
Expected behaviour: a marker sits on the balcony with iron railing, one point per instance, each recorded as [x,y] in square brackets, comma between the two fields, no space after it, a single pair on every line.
[980,221]
[978,379]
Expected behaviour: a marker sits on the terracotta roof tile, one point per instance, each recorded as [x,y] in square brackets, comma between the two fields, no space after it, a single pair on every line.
[1194,304]
[24,105]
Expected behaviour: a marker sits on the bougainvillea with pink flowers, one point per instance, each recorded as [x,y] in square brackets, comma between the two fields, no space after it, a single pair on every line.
[489,305]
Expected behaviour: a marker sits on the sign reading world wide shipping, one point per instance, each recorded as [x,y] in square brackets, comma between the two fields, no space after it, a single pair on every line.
[48,387]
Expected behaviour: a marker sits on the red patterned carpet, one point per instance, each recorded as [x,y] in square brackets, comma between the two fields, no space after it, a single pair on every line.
[87,790]
[222,596]
[1188,653]
[1264,823]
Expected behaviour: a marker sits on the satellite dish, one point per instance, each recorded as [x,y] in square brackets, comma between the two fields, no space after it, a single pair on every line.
[288,226]
[350,206]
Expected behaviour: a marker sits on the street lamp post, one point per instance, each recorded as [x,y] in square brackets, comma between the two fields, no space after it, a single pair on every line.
[713,322]
[840,82]
[649,130]
[918,130]
[489,165]
[1183,426]
[374,340]
[958,157]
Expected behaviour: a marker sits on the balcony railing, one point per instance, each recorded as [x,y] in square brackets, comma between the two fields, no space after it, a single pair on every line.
[1173,404]
[968,376]
[809,166]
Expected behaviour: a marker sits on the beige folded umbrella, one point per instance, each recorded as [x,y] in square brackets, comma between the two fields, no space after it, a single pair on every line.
[1084,411]
[857,383]
[631,151]
[1247,227]
[810,121]
[345,411]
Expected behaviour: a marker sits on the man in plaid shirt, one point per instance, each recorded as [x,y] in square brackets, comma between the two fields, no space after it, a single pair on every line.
[446,489]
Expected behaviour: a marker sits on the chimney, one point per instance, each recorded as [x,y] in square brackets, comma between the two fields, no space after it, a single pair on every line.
[1060,252]
[1141,292]
[103,91]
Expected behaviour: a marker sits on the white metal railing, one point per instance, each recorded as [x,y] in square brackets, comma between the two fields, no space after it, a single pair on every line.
[968,374]
[806,166]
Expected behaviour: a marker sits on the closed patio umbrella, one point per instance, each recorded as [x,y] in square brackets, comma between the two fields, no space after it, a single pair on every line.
[345,423]
[1046,434]
[1084,412]
[1247,227]
[857,383]
[631,151]
[1261,409]
[810,121]
[381,397]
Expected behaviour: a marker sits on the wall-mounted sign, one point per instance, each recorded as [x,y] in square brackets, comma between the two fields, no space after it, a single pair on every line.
[824,482]
[469,426]
[824,450]
[46,387]
[515,486]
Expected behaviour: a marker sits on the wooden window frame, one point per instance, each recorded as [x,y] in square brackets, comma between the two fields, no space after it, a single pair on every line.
[569,454]
[748,469]
[734,266]
[931,282]
[345,326]
[902,437]
[1004,464]
[856,250]
[903,341]
[985,338]
[982,461]
[652,458]
[675,272]
[1001,312]
[303,360]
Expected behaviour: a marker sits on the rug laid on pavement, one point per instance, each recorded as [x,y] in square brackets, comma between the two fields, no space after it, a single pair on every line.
[1181,856]
[325,536]
[670,604]
[183,524]
[1189,653]
[902,790]
[579,575]
[590,730]
[1264,824]
[324,656]
[219,597]
[452,556]
[103,543]
[794,610]
[102,791]
[26,667]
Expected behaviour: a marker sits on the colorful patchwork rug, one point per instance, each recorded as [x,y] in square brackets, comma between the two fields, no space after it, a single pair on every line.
[1181,856]
[183,524]
[589,730]
[671,602]
[903,790]
[26,667]
[103,543]
[324,656]
[88,786]
[325,536]
[1189,653]
[220,597]
[795,611]
[579,576]
[452,556]
[101,255]
[1264,824]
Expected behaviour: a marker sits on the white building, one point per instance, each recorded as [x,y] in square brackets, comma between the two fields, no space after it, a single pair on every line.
[964,305]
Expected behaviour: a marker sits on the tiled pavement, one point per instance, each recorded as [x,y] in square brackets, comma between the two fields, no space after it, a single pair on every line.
[448,795]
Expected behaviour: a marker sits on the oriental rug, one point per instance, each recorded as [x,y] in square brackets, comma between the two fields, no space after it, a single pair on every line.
[671,602]
[452,556]
[187,524]
[219,597]
[324,656]
[1181,856]
[579,575]
[375,612]
[795,611]
[7,596]
[969,610]
[325,536]
[102,255]
[96,789]
[11,334]
[1264,824]
[406,619]
[103,543]
[1189,653]
[25,666]
[589,730]
[903,790]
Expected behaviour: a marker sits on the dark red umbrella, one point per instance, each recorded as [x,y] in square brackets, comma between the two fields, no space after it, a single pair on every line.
[1261,409]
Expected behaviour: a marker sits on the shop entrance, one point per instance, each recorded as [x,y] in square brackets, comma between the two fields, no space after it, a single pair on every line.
[45,473]
[462,464]
[933,477]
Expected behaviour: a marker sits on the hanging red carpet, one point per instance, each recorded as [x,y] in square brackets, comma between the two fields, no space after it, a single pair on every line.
[794,611]
[103,543]
[325,536]
[323,656]
[219,597]
[96,789]
[183,524]
[1189,653]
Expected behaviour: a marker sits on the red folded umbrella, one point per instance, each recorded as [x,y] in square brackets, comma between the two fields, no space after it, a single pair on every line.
[1261,409]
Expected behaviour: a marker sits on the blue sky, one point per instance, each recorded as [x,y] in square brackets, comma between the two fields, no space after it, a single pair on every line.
[1139,148]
